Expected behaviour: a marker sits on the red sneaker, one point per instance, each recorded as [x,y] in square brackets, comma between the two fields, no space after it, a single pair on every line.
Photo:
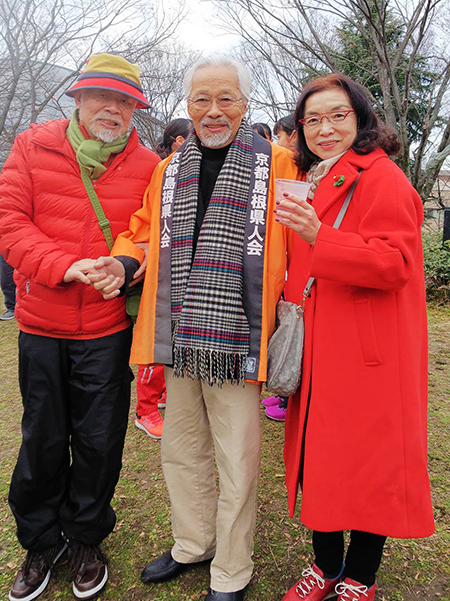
[351,590]
[151,424]
[313,586]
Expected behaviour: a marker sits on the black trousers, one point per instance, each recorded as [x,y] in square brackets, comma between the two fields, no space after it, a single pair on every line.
[76,398]
[363,557]
[7,284]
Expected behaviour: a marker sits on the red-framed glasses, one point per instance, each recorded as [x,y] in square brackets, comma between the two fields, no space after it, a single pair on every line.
[334,117]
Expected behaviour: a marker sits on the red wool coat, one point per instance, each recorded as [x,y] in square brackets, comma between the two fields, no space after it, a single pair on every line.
[359,423]
[47,223]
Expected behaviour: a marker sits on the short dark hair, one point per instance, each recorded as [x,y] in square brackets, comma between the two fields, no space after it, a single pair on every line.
[263,130]
[286,124]
[372,132]
[177,127]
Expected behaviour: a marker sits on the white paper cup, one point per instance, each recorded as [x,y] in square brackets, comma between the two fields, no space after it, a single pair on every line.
[291,186]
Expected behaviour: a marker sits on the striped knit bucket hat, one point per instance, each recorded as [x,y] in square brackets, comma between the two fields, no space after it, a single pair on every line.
[111,72]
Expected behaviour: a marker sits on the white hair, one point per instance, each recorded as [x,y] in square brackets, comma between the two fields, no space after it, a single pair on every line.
[219,60]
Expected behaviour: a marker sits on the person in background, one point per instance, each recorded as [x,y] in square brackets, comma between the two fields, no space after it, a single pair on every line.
[175,134]
[8,288]
[263,130]
[286,133]
[150,385]
[151,396]
[159,148]
[73,346]
[218,265]
[276,407]
[356,430]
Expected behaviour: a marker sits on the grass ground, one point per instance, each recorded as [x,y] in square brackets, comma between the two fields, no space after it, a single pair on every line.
[412,570]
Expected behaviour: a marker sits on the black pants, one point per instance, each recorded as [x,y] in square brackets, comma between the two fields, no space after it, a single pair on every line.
[76,398]
[363,557]
[7,284]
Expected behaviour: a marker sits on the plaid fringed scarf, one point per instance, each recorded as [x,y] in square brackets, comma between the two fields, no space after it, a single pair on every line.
[210,330]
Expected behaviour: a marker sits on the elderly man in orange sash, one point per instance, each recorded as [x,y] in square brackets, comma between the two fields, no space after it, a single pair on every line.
[216,269]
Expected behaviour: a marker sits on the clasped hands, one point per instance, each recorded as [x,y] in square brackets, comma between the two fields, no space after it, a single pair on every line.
[105,274]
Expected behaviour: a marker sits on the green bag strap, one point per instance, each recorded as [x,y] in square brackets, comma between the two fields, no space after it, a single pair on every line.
[103,222]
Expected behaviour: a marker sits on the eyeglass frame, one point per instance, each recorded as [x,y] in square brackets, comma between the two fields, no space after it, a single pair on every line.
[192,102]
[325,116]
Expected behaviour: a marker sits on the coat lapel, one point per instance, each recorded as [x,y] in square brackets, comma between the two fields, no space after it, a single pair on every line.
[327,194]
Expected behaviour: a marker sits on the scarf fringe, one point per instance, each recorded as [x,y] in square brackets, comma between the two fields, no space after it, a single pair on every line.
[214,367]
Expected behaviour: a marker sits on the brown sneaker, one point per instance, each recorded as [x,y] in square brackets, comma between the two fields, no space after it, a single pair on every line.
[87,565]
[34,574]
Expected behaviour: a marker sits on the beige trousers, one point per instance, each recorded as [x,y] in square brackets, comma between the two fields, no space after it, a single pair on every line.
[203,525]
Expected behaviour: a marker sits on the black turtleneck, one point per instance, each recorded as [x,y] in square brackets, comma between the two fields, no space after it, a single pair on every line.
[212,162]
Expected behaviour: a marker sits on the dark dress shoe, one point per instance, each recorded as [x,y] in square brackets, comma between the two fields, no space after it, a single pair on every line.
[216,596]
[165,567]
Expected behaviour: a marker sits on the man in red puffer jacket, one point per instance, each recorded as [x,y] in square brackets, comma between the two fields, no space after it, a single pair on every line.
[73,346]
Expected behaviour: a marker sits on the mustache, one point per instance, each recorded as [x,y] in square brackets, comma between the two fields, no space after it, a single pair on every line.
[219,121]
[108,117]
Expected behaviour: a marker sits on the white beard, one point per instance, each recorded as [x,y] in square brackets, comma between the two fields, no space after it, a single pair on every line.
[214,140]
[104,134]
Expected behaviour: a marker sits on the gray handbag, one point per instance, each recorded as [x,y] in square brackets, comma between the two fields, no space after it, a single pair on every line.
[285,349]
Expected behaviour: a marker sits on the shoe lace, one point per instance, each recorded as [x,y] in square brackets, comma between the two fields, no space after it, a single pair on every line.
[308,582]
[153,419]
[80,556]
[344,588]
[39,561]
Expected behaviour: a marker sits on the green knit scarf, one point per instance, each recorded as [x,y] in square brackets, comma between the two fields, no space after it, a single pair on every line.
[91,154]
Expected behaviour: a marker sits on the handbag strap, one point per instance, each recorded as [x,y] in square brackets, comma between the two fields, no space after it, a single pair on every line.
[103,222]
[336,224]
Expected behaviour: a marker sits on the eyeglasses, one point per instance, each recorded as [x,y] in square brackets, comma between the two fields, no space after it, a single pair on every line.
[206,102]
[334,117]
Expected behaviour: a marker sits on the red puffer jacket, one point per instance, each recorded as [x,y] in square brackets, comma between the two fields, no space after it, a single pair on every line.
[47,223]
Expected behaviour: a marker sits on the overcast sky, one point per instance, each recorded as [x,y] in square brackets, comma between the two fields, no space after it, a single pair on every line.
[197,32]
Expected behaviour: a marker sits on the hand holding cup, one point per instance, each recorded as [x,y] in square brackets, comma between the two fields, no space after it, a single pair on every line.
[294,211]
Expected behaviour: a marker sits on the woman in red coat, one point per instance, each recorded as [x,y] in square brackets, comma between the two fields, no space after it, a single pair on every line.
[356,439]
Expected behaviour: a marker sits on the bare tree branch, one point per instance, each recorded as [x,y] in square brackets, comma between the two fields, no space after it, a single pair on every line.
[293,41]
[38,35]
